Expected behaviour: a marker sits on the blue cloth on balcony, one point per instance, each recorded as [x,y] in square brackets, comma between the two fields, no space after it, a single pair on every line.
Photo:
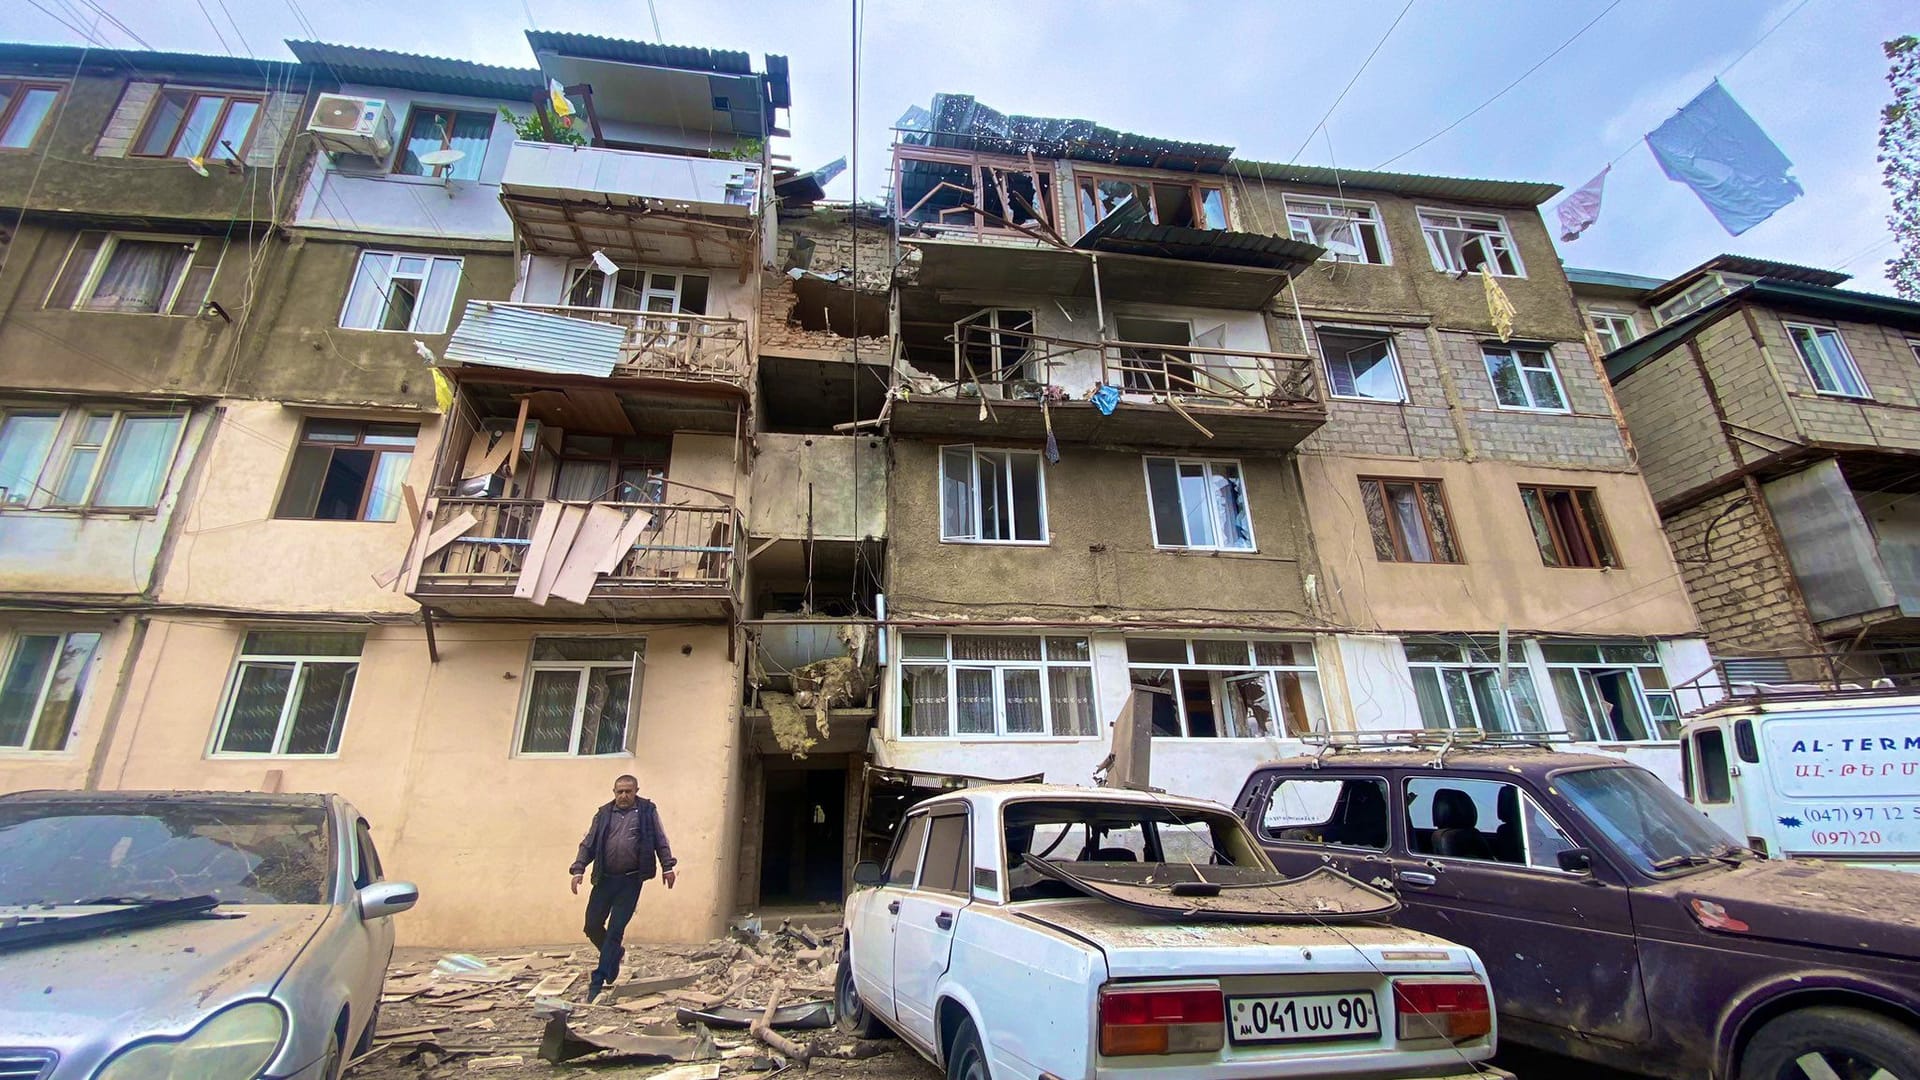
[1106,399]
[1713,146]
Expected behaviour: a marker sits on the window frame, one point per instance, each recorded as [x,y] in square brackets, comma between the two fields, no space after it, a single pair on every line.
[414,109]
[1473,658]
[1504,232]
[1207,466]
[1402,554]
[1268,672]
[1806,364]
[109,244]
[1401,807]
[23,87]
[974,451]
[1606,551]
[1610,331]
[608,292]
[1386,337]
[1266,835]
[70,422]
[964,853]
[10,643]
[283,727]
[1585,671]
[228,98]
[1517,353]
[635,664]
[1046,664]
[1375,220]
[1085,178]
[379,451]
[384,289]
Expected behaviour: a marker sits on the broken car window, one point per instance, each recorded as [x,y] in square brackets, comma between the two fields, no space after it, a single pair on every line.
[80,851]
[1459,818]
[1352,812]
[1084,833]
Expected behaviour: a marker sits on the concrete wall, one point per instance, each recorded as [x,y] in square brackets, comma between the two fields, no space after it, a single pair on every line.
[1503,580]
[359,195]
[1739,578]
[840,479]
[1100,560]
[1680,441]
[22,770]
[1891,420]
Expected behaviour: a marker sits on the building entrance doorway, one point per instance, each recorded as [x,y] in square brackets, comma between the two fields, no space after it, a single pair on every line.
[803,835]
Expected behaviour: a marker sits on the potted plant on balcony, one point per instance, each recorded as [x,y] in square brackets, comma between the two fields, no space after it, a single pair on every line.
[528,128]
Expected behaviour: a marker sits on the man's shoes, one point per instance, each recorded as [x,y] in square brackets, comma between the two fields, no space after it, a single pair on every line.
[594,986]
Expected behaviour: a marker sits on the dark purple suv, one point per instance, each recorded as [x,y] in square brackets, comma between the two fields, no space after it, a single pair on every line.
[1618,924]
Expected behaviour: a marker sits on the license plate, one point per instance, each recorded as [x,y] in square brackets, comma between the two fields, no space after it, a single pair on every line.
[1299,1017]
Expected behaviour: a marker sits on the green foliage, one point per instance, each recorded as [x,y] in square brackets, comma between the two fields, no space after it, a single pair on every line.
[749,149]
[1900,162]
[566,131]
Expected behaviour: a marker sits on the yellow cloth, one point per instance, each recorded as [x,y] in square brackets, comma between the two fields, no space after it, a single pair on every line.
[557,97]
[442,391]
[1499,308]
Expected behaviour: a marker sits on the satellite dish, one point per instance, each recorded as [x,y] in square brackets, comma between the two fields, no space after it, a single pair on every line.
[437,158]
[198,166]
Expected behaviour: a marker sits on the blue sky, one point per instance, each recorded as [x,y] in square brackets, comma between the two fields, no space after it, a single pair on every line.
[1255,75]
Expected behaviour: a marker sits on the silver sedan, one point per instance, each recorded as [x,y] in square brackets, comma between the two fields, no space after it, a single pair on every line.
[175,935]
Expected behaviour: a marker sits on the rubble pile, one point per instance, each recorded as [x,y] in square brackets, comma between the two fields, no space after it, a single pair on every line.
[751,1005]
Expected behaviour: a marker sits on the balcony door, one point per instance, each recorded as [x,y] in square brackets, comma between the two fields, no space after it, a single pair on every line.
[1146,367]
[601,468]
[655,291]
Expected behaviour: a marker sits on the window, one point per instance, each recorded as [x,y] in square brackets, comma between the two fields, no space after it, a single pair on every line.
[1210,688]
[580,695]
[209,124]
[1524,378]
[1453,817]
[1707,776]
[1362,365]
[1350,812]
[1705,291]
[1462,243]
[24,108]
[348,470]
[1350,231]
[906,852]
[398,292]
[996,685]
[1146,368]
[1568,527]
[1409,520]
[662,292]
[366,860]
[997,346]
[1169,202]
[98,456]
[42,678]
[1198,504]
[1456,683]
[992,496]
[1613,329]
[595,468]
[1828,362]
[137,274]
[289,692]
[431,129]
[948,866]
[946,189]
[1611,691]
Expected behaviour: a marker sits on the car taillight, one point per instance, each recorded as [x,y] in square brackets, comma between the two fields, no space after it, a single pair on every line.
[1442,1009]
[1191,1021]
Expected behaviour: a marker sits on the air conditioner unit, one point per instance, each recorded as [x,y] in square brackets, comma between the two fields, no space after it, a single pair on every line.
[529,439]
[352,125]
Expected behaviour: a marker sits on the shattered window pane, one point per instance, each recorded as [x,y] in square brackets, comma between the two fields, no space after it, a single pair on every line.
[1067,648]
[1283,653]
[1225,653]
[1373,499]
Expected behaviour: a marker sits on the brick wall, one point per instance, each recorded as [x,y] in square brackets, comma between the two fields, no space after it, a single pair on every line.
[1741,588]
[832,239]
[1673,425]
[117,137]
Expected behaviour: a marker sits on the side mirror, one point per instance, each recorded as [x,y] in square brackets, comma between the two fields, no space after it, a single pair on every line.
[1577,860]
[868,874]
[384,898]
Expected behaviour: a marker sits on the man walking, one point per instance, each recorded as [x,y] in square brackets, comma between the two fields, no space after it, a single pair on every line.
[622,843]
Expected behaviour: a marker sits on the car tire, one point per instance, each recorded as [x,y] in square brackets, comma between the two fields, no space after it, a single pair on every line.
[331,1066]
[849,1012]
[366,1030]
[966,1059]
[1846,1042]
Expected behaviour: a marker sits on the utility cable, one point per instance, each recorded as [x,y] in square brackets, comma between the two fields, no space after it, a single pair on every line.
[1324,117]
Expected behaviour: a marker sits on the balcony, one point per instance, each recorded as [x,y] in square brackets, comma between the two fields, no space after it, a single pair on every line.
[495,558]
[632,205]
[1170,396]
[607,343]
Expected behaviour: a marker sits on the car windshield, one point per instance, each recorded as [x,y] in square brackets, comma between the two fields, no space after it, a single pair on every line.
[1644,818]
[123,851]
[1084,831]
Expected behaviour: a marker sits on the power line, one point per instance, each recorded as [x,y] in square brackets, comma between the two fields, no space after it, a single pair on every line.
[653,11]
[226,48]
[1324,117]
[123,27]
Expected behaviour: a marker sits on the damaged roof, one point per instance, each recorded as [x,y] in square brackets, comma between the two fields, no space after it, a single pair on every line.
[414,71]
[1751,267]
[1128,231]
[621,50]
[1779,293]
[960,122]
[1464,189]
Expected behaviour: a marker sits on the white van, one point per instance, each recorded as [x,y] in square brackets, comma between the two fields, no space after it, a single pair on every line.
[1829,777]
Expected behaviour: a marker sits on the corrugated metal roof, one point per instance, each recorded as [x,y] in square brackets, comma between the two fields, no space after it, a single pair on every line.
[1610,279]
[1793,295]
[1752,267]
[1127,230]
[1504,192]
[412,71]
[621,50]
[158,63]
[959,121]
[501,335]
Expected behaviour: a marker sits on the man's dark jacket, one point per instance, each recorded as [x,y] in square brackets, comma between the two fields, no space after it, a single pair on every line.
[652,838]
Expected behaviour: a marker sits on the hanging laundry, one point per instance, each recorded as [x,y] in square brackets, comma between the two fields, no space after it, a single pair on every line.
[1053,447]
[1499,308]
[1581,209]
[1106,399]
[1713,146]
[557,98]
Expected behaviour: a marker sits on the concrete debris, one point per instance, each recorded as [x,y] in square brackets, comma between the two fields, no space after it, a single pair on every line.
[804,1016]
[560,1042]
[498,1061]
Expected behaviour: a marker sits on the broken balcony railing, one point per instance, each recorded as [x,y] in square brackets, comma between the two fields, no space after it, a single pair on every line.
[675,546]
[686,348]
[1021,364]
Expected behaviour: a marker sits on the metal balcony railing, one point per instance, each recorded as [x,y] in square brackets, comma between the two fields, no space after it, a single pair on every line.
[677,547]
[1021,363]
[689,348]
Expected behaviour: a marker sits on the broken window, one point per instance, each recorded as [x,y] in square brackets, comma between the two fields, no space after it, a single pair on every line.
[1828,362]
[1611,691]
[997,346]
[42,678]
[289,692]
[1456,683]
[1524,378]
[992,496]
[1209,688]
[1462,243]
[660,292]
[996,685]
[1147,368]
[1350,231]
[348,470]
[1362,364]
[137,274]
[1198,504]
[1568,527]
[401,293]
[433,130]
[594,468]
[580,696]
[1352,812]
[966,191]
[1188,204]
[1409,520]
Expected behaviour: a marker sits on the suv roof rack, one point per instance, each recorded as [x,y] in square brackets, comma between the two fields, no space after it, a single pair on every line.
[1441,741]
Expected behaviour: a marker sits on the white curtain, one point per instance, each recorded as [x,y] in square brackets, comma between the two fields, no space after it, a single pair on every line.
[136,276]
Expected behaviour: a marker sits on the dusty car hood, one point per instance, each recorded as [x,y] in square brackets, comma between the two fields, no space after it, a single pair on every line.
[161,979]
[1814,903]
[1236,894]
[1137,944]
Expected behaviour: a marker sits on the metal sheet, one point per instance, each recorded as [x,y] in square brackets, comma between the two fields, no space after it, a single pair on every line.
[1828,542]
[593,175]
[500,335]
